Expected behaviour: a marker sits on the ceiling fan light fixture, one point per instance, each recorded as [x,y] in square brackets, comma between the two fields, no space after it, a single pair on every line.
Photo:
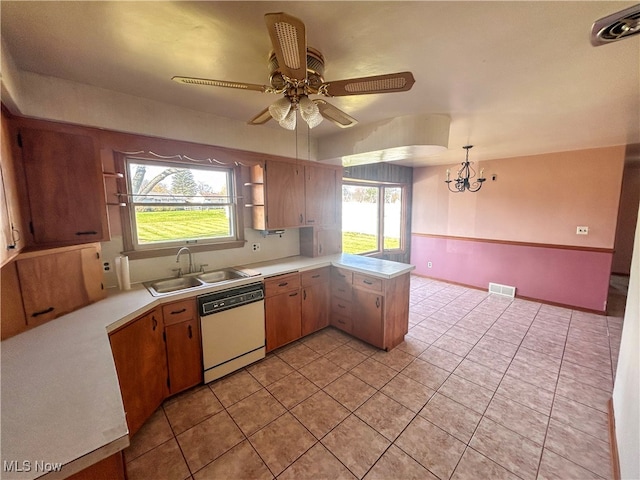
[280,109]
[289,121]
[310,112]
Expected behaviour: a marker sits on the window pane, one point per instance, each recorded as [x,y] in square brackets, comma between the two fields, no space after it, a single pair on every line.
[359,219]
[392,217]
[171,224]
[174,203]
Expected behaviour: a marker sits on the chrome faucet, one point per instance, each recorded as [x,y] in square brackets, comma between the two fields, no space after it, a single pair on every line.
[191,266]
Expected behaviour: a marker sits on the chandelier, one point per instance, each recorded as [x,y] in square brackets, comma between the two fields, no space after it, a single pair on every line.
[465,174]
[284,111]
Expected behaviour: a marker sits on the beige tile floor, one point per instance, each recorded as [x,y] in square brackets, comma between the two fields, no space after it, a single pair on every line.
[482,388]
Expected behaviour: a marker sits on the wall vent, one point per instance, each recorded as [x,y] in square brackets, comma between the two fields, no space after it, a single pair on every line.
[504,290]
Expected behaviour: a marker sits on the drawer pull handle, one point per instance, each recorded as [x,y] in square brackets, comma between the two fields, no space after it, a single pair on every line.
[283,284]
[154,323]
[317,275]
[293,294]
[341,321]
[341,306]
[179,311]
[190,332]
[368,282]
[377,302]
[88,232]
[42,312]
[304,294]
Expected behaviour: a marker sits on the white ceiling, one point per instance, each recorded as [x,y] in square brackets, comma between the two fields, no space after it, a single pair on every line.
[516,78]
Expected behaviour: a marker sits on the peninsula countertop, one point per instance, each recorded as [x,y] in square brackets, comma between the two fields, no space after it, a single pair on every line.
[61,401]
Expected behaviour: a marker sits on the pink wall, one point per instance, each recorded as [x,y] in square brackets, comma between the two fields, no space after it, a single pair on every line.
[569,277]
[538,199]
[535,199]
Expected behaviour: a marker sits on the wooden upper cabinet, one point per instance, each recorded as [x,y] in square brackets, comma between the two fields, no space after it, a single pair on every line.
[60,282]
[65,188]
[321,196]
[12,232]
[284,202]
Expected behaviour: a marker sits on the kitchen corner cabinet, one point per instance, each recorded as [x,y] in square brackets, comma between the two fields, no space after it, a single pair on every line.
[319,241]
[141,363]
[282,310]
[65,188]
[53,284]
[372,309]
[321,196]
[184,350]
[315,300]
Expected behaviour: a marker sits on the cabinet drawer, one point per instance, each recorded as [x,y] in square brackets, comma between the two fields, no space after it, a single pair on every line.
[312,277]
[179,311]
[281,284]
[365,281]
[342,322]
[341,275]
[341,306]
[341,290]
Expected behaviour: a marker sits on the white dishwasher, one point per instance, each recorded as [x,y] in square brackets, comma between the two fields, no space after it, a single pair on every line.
[232,324]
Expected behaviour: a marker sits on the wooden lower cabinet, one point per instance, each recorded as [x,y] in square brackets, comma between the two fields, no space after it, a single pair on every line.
[184,348]
[140,357]
[282,318]
[368,317]
[184,357]
[316,298]
[111,468]
[372,309]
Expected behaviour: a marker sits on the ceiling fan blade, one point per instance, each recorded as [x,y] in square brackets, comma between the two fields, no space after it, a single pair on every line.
[392,82]
[335,115]
[289,39]
[221,83]
[263,117]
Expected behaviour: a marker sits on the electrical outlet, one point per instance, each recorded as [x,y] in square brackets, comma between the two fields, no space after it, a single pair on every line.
[255,247]
[106,267]
[582,231]
[429,264]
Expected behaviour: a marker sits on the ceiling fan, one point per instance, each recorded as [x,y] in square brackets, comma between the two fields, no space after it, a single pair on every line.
[296,72]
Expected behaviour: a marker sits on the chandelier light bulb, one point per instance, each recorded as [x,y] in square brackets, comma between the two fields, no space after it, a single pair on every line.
[289,121]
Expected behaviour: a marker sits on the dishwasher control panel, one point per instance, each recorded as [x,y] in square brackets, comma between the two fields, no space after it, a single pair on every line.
[219,301]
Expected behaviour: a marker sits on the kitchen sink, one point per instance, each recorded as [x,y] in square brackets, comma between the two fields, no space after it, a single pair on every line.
[222,275]
[169,285]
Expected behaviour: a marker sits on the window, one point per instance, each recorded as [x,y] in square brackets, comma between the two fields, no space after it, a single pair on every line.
[176,204]
[372,217]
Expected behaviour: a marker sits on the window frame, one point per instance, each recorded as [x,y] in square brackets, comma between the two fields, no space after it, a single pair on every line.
[127,210]
[380,186]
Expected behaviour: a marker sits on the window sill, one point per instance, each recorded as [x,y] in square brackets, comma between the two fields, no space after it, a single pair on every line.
[168,251]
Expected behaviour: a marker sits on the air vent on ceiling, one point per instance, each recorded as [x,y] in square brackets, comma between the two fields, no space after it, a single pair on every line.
[616,26]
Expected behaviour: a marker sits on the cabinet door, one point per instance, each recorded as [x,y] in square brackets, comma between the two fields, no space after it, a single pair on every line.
[315,307]
[284,195]
[368,317]
[141,362]
[184,355]
[282,319]
[321,196]
[10,220]
[65,188]
[59,283]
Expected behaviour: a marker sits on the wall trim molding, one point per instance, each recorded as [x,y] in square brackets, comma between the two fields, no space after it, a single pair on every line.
[613,442]
[516,243]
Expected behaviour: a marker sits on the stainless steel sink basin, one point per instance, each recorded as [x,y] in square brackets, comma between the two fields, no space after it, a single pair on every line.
[222,275]
[172,285]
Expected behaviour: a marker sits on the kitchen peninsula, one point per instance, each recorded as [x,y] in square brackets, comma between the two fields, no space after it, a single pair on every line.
[61,399]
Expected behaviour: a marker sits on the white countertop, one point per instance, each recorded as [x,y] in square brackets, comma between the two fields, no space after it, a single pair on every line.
[61,400]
